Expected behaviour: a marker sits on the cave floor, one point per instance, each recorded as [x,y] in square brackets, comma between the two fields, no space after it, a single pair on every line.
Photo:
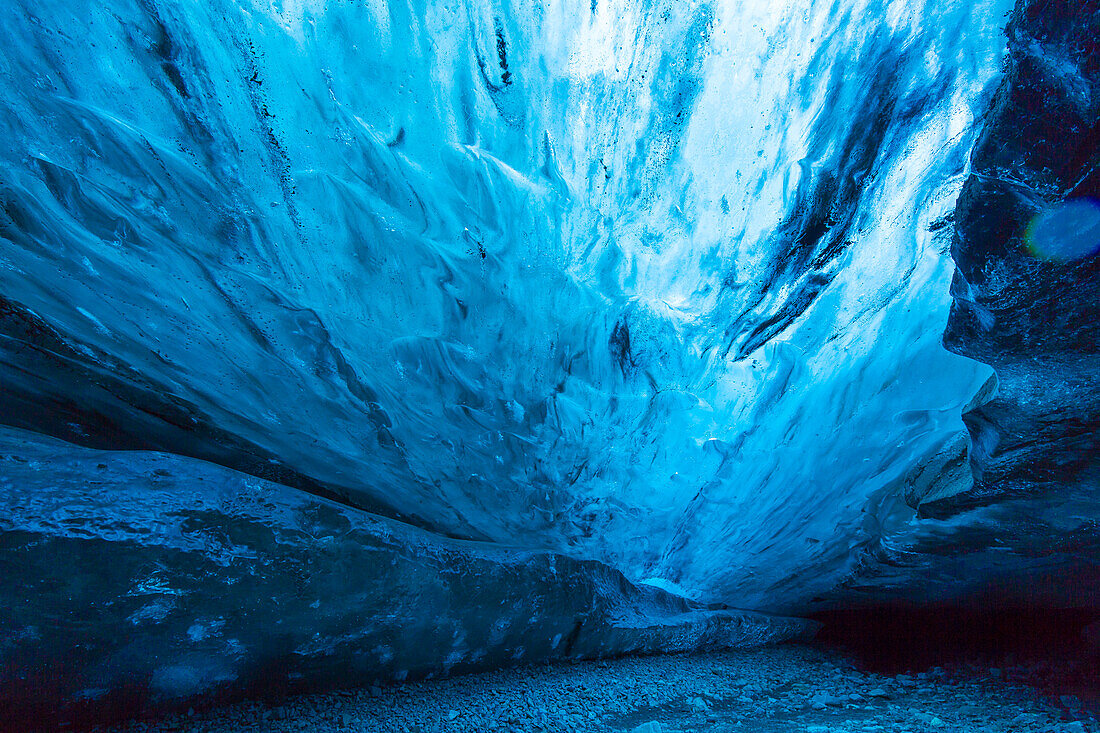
[804,688]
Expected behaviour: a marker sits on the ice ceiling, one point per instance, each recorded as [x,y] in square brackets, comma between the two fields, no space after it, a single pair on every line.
[662,285]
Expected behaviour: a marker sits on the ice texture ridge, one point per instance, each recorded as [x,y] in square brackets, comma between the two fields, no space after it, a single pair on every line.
[657,284]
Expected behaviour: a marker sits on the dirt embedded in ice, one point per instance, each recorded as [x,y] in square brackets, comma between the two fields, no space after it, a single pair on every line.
[798,688]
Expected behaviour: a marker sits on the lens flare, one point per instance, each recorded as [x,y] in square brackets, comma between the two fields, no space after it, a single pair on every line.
[1067,232]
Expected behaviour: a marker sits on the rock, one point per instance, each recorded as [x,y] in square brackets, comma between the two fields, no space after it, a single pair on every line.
[452,715]
[879,693]
[823,699]
[1070,702]
[651,727]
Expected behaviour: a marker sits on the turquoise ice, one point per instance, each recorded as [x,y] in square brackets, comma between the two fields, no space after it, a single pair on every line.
[657,284]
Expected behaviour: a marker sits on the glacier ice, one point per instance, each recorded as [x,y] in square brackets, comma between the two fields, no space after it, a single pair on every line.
[156,580]
[657,286]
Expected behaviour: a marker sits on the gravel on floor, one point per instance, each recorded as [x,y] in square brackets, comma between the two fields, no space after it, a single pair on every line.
[802,688]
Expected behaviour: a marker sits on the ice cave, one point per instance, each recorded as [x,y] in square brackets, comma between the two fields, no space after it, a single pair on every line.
[652,366]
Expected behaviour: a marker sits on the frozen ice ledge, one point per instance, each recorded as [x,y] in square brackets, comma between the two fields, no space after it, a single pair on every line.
[140,580]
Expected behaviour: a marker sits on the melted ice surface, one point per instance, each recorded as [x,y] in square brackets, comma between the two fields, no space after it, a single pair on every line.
[661,284]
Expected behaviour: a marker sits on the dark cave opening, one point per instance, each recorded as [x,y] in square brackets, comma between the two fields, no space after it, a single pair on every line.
[1054,651]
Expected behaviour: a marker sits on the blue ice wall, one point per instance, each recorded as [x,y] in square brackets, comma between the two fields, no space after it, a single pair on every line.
[657,284]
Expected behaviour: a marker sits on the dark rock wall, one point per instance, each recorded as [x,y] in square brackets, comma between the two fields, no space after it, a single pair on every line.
[1033,317]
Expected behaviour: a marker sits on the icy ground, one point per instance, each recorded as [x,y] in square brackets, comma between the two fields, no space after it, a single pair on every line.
[773,689]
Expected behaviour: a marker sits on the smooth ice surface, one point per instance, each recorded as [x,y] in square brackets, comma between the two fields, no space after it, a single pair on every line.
[133,579]
[658,284]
